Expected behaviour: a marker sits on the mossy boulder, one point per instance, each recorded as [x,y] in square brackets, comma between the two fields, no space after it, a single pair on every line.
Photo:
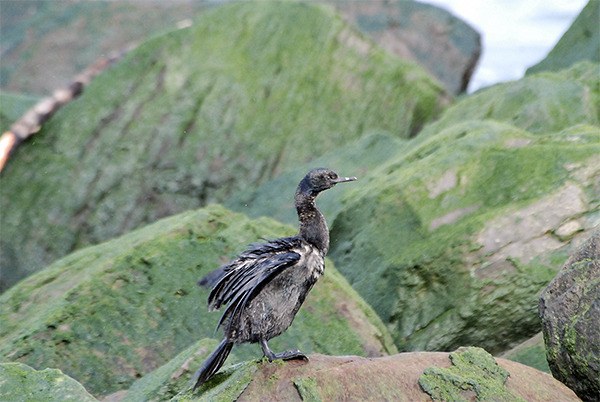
[19,382]
[452,240]
[275,197]
[191,116]
[442,43]
[467,374]
[580,42]
[110,313]
[570,312]
[540,103]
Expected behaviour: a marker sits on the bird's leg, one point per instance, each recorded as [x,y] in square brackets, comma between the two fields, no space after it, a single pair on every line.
[287,355]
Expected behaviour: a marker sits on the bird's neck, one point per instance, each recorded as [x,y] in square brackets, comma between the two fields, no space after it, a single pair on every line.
[313,227]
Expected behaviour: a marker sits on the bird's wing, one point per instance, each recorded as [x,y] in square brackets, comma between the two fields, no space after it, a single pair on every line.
[254,251]
[249,273]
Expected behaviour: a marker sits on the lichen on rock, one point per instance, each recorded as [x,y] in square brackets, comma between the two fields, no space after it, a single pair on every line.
[474,375]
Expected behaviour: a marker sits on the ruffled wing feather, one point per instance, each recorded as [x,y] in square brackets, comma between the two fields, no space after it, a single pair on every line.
[245,276]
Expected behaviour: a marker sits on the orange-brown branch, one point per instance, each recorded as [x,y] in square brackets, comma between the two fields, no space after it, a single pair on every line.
[31,122]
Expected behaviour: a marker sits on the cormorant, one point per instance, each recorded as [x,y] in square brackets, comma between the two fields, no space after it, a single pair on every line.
[265,285]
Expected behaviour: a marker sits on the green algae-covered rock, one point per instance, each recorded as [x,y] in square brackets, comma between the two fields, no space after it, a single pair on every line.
[452,240]
[19,382]
[467,374]
[33,63]
[47,43]
[186,118]
[539,103]
[108,314]
[580,42]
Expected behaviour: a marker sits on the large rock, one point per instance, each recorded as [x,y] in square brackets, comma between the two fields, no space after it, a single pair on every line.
[539,103]
[445,45]
[467,374]
[111,313]
[580,42]
[452,239]
[19,382]
[189,117]
[570,312]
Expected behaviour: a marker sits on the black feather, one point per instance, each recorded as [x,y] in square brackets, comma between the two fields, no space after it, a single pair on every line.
[213,363]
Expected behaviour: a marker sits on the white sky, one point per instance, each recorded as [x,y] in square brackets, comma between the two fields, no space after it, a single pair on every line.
[516,34]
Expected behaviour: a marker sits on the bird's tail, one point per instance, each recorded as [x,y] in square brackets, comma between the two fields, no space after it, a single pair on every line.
[213,363]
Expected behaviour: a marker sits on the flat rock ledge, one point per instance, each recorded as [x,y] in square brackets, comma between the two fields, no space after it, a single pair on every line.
[466,374]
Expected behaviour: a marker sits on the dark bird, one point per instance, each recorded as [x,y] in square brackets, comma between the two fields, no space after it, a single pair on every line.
[265,286]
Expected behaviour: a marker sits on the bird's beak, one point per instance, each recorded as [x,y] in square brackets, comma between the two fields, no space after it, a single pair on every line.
[344,179]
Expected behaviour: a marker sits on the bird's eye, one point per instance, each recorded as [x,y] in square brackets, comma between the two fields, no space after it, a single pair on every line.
[333,176]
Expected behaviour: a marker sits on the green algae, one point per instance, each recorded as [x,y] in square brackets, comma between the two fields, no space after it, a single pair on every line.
[474,375]
[308,389]
[227,385]
[19,382]
[540,103]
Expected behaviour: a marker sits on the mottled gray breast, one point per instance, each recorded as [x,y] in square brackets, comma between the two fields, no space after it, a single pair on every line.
[312,259]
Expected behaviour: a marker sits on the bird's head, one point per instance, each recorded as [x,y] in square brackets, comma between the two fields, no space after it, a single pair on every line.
[321,179]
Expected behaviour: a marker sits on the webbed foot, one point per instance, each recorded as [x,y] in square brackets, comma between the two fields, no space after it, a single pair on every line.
[287,355]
